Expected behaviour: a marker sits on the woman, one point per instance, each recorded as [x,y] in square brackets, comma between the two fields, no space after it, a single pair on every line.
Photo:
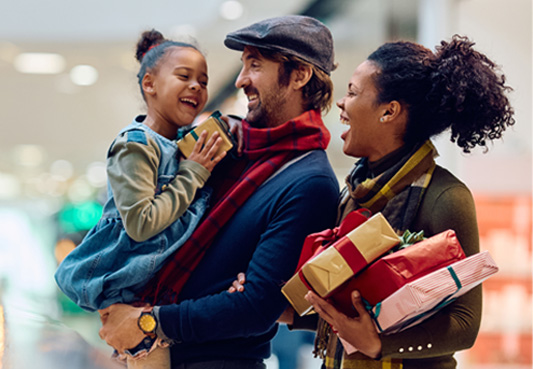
[399,98]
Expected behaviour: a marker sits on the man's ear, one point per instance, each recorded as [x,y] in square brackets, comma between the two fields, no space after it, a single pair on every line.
[301,76]
[148,84]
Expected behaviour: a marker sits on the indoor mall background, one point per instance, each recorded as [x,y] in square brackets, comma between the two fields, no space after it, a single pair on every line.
[59,114]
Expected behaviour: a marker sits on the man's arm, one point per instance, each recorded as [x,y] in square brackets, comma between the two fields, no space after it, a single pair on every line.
[311,206]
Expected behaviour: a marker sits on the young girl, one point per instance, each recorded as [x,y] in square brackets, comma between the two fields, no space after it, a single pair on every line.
[155,200]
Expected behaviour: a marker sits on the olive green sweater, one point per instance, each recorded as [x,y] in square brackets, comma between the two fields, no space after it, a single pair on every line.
[132,171]
[447,204]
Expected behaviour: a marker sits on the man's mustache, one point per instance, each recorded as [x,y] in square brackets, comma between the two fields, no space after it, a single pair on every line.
[251,91]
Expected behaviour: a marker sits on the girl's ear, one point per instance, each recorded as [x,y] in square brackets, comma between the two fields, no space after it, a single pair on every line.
[301,76]
[148,84]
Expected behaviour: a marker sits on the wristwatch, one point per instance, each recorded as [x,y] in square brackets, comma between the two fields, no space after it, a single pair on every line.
[147,322]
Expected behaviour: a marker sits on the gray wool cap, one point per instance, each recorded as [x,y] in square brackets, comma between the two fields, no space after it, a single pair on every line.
[297,35]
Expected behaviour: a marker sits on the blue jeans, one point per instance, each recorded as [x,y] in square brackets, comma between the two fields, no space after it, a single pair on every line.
[109,267]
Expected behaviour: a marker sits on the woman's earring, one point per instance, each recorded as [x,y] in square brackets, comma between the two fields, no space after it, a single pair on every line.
[381,119]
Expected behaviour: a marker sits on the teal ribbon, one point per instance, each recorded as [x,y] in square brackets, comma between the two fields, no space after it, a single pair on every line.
[445,301]
[455,278]
[194,135]
[373,314]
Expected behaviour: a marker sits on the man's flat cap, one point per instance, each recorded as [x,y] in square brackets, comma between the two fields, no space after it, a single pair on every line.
[297,35]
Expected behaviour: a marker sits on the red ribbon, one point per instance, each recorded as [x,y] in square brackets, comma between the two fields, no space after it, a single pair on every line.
[315,243]
[351,254]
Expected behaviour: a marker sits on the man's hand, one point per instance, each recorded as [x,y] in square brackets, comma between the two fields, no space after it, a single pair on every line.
[359,331]
[119,326]
[235,124]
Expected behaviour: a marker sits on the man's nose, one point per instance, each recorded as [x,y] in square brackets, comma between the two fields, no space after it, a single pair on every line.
[242,80]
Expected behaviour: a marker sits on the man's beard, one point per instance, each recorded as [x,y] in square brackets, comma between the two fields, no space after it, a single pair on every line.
[269,111]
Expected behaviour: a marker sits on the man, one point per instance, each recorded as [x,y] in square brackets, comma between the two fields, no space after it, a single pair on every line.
[286,191]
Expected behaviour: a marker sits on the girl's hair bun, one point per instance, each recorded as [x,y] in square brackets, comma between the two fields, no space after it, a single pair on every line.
[148,40]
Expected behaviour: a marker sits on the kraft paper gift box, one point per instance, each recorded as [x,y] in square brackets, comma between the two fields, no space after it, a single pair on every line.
[422,298]
[328,270]
[392,271]
[211,125]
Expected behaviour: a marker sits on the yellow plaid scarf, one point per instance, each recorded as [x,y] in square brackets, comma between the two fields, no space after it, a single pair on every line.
[397,194]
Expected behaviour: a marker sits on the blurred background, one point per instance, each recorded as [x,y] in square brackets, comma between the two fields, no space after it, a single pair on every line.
[68,86]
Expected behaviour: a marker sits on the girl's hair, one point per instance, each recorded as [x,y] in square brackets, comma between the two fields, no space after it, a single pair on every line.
[151,49]
[317,93]
[456,87]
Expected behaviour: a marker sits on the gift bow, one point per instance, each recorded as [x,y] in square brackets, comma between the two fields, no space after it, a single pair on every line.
[315,243]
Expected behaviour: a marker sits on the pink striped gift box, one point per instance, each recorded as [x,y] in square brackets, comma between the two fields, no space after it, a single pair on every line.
[420,299]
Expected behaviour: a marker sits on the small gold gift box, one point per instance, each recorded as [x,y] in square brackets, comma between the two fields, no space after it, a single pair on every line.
[211,125]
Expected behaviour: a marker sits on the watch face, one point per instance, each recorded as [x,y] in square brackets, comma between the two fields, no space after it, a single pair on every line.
[147,323]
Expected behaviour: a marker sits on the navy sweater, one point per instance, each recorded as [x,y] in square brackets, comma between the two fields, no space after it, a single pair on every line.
[263,239]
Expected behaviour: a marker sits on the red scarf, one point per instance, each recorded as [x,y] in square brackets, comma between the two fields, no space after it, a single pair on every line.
[267,150]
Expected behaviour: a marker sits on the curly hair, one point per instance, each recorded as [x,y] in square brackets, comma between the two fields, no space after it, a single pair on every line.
[317,93]
[456,87]
[151,48]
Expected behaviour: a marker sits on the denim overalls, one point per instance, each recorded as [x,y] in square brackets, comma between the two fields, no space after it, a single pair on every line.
[108,266]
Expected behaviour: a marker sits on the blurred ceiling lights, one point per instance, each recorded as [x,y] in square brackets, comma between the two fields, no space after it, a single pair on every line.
[231,10]
[28,155]
[51,63]
[84,75]
[40,63]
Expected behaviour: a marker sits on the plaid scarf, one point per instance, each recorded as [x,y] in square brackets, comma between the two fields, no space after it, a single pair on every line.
[266,151]
[397,194]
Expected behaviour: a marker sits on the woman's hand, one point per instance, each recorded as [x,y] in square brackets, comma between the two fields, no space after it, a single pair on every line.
[238,284]
[119,326]
[359,331]
[205,154]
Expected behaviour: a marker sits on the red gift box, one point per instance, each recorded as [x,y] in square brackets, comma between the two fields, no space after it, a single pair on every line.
[390,272]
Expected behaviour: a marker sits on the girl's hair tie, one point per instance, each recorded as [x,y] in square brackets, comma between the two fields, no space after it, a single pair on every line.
[150,48]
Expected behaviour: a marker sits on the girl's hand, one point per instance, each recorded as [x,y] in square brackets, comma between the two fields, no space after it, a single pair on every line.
[119,326]
[235,126]
[205,154]
[238,284]
[359,331]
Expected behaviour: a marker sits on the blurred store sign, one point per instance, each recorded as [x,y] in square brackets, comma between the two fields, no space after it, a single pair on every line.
[505,339]
[79,217]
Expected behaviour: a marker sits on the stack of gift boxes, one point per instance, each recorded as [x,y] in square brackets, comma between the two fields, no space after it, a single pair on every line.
[401,286]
